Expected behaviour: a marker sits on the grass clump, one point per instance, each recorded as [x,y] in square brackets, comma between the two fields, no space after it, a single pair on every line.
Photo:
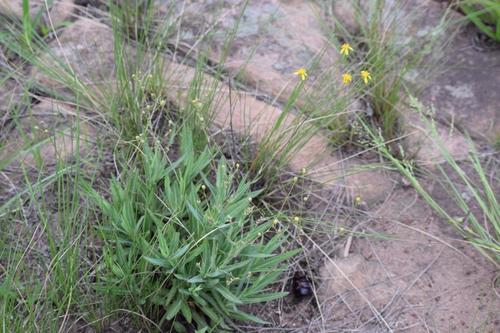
[390,57]
[184,245]
[479,219]
[485,14]
[382,61]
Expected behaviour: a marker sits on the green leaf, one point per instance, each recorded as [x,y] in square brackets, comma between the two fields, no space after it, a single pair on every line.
[174,309]
[171,294]
[186,312]
[180,252]
[200,301]
[273,262]
[228,295]
[196,279]
[263,297]
[157,261]
[179,327]
[211,314]
[193,254]
[202,330]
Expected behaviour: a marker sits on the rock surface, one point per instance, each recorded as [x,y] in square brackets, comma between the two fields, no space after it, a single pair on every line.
[87,46]
[352,284]
[46,134]
[467,93]
[84,50]
[274,38]
[427,140]
[418,278]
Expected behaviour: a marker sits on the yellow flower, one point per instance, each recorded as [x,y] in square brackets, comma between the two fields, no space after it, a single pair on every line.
[302,73]
[345,49]
[346,78]
[366,76]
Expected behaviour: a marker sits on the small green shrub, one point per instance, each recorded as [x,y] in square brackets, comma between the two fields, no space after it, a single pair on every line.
[183,244]
[485,14]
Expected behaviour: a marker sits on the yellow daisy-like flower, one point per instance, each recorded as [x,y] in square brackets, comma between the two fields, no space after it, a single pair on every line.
[345,49]
[302,73]
[346,78]
[366,76]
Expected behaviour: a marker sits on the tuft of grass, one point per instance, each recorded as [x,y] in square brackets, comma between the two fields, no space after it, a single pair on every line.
[383,48]
[485,14]
[27,25]
[480,226]
[390,57]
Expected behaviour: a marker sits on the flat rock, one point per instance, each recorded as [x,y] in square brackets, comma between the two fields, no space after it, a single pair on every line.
[274,38]
[427,140]
[464,98]
[447,282]
[467,94]
[46,134]
[352,284]
[84,50]
[420,17]
[418,278]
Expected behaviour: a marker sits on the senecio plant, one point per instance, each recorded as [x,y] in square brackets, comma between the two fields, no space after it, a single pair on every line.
[184,245]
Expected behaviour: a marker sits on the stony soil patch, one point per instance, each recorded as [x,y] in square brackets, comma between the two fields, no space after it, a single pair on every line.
[421,278]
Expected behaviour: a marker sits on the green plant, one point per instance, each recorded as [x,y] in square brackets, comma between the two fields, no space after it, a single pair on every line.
[481,226]
[485,14]
[27,24]
[135,18]
[184,245]
[389,56]
[383,50]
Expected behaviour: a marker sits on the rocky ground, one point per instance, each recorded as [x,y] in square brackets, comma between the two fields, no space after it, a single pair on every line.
[418,277]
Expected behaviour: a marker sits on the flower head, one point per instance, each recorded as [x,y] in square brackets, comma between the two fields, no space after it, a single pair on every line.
[366,76]
[346,78]
[345,49]
[302,73]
